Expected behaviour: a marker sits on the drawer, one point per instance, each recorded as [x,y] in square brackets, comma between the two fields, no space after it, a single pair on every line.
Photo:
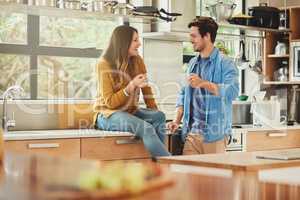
[113,148]
[269,140]
[57,147]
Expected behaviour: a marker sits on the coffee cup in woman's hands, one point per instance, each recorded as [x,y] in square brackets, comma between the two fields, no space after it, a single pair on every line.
[140,80]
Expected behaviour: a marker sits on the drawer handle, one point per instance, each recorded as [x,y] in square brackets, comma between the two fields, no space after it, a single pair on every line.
[44,145]
[277,134]
[128,141]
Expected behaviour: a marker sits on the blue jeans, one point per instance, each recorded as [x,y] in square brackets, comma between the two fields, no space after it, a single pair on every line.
[149,125]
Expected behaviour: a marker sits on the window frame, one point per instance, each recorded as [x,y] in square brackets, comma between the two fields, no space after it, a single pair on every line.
[34,50]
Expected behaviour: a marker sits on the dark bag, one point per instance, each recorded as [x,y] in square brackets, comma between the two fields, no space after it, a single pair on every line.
[176,143]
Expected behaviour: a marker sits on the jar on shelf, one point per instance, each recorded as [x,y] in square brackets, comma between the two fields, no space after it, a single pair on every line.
[282,73]
[280,49]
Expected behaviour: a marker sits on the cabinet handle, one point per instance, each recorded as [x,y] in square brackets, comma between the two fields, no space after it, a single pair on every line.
[128,141]
[277,134]
[44,145]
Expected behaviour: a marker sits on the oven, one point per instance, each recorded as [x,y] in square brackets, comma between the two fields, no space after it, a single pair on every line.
[295,61]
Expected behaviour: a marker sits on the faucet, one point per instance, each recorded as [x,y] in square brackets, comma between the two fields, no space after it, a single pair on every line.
[9,93]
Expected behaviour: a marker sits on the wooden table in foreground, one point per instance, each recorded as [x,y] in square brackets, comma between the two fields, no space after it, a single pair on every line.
[23,177]
[236,161]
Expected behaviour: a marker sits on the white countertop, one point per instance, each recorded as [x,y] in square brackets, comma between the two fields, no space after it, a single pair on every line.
[249,128]
[83,133]
[61,134]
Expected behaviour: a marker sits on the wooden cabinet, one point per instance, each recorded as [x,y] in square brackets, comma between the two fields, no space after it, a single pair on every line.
[55,147]
[273,139]
[272,62]
[113,148]
[116,147]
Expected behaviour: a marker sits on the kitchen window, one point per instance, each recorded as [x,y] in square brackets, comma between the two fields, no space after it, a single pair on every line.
[13,28]
[14,70]
[76,33]
[66,77]
[51,57]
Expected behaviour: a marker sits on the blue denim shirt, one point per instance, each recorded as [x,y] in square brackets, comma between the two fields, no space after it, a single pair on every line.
[218,109]
[197,112]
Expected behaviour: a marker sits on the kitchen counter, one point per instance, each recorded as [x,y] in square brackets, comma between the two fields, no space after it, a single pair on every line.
[61,134]
[250,127]
[236,161]
[83,133]
[32,181]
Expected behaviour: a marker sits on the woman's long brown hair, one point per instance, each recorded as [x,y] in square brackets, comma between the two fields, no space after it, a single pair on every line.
[117,51]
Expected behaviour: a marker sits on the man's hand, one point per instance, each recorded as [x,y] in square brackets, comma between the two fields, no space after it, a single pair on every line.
[195,81]
[172,126]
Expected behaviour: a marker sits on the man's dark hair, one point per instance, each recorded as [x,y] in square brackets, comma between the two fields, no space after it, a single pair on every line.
[205,25]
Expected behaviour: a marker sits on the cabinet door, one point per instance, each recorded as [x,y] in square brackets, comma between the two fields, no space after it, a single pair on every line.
[269,140]
[57,147]
[113,148]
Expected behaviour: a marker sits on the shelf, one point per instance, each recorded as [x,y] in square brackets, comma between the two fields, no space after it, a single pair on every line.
[281,82]
[278,56]
[167,36]
[71,13]
[254,28]
[57,12]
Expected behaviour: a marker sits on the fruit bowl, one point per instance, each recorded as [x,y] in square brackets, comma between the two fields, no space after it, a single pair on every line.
[114,181]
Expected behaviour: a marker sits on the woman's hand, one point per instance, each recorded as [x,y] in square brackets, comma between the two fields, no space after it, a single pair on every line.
[140,81]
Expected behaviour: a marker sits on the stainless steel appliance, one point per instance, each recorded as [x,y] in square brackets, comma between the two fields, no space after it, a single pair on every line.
[241,113]
[292,118]
[295,61]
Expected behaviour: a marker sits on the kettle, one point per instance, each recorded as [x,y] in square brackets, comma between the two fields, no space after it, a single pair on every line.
[280,49]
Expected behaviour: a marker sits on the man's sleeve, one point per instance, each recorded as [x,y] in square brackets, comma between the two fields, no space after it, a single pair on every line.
[229,90]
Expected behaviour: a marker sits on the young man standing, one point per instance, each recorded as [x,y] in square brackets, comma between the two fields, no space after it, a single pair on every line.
[205,103]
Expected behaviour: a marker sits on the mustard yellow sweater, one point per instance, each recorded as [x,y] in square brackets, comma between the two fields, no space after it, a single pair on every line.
[110,94]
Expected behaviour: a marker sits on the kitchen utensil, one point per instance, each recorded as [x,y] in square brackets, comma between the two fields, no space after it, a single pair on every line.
[283,20]
[264,16]
[109,6]
[98,6]
[280,75]
[50,3]
[87,5]
[257,67]
[241,20]
[14,1]
[241,62]
[280,48]
[221,11]
[72,4]
[154,12]
[60,4]
[123,8]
